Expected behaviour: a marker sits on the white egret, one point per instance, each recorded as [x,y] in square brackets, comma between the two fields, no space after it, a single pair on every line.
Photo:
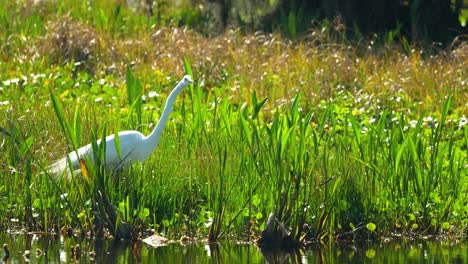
[134,146]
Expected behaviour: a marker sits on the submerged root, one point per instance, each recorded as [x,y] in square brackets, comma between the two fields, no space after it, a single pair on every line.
[276,235]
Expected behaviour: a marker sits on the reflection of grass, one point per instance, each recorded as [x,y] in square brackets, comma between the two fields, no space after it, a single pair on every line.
[330,137]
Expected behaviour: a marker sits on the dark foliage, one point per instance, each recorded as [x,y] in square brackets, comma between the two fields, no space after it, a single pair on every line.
[434,20]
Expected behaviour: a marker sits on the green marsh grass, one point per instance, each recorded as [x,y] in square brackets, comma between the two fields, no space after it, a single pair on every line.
[335,138]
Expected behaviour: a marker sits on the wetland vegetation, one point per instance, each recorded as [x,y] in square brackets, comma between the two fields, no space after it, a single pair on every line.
[342,139]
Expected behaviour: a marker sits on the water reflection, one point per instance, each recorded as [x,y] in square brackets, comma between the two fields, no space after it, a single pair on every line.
[58,249]
[281,256]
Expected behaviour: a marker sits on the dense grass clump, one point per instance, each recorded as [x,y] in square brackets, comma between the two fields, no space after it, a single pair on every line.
[338,139]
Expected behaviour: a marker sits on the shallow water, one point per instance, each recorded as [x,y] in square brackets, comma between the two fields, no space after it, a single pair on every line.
[58,250]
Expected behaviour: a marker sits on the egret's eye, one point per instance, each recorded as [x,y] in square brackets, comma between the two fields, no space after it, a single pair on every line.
[188,79]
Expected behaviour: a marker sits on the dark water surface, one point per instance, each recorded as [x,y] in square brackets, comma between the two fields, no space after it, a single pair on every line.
[58,250]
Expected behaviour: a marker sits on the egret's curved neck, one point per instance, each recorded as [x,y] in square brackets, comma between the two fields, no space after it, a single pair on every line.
[153,138]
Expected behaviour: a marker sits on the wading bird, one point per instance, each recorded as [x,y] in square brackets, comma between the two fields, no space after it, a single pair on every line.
[134,146]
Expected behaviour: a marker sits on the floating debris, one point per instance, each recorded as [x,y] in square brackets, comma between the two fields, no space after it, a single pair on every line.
[157,241]
[27,255]
[184,240]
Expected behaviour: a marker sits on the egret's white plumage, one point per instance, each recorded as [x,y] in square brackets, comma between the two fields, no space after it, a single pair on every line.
[134,146]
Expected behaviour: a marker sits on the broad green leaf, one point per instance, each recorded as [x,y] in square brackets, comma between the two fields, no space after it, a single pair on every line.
[371,227]
[64,124]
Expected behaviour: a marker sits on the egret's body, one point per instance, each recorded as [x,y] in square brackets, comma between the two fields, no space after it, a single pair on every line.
[134,146]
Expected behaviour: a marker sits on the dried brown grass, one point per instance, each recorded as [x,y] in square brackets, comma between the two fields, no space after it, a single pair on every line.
[269,64]
[67,41]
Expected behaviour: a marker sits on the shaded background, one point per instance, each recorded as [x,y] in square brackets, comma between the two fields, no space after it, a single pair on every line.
[416,20]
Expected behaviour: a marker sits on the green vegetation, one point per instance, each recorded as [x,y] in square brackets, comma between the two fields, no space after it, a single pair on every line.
[339,139]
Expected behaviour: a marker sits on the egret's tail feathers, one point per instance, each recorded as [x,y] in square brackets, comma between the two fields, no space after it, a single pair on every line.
[59,169]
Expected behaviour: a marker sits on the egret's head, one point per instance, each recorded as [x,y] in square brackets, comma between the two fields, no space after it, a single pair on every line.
[187,80]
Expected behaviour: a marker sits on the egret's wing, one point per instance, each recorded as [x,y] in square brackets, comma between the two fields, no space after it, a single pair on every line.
[129,141]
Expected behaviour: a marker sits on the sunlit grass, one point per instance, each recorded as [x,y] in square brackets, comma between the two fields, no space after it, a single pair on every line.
[329,135]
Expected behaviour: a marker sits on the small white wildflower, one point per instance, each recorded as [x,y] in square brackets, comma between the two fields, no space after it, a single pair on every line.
[430,121]
[153,94]
[462,122]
